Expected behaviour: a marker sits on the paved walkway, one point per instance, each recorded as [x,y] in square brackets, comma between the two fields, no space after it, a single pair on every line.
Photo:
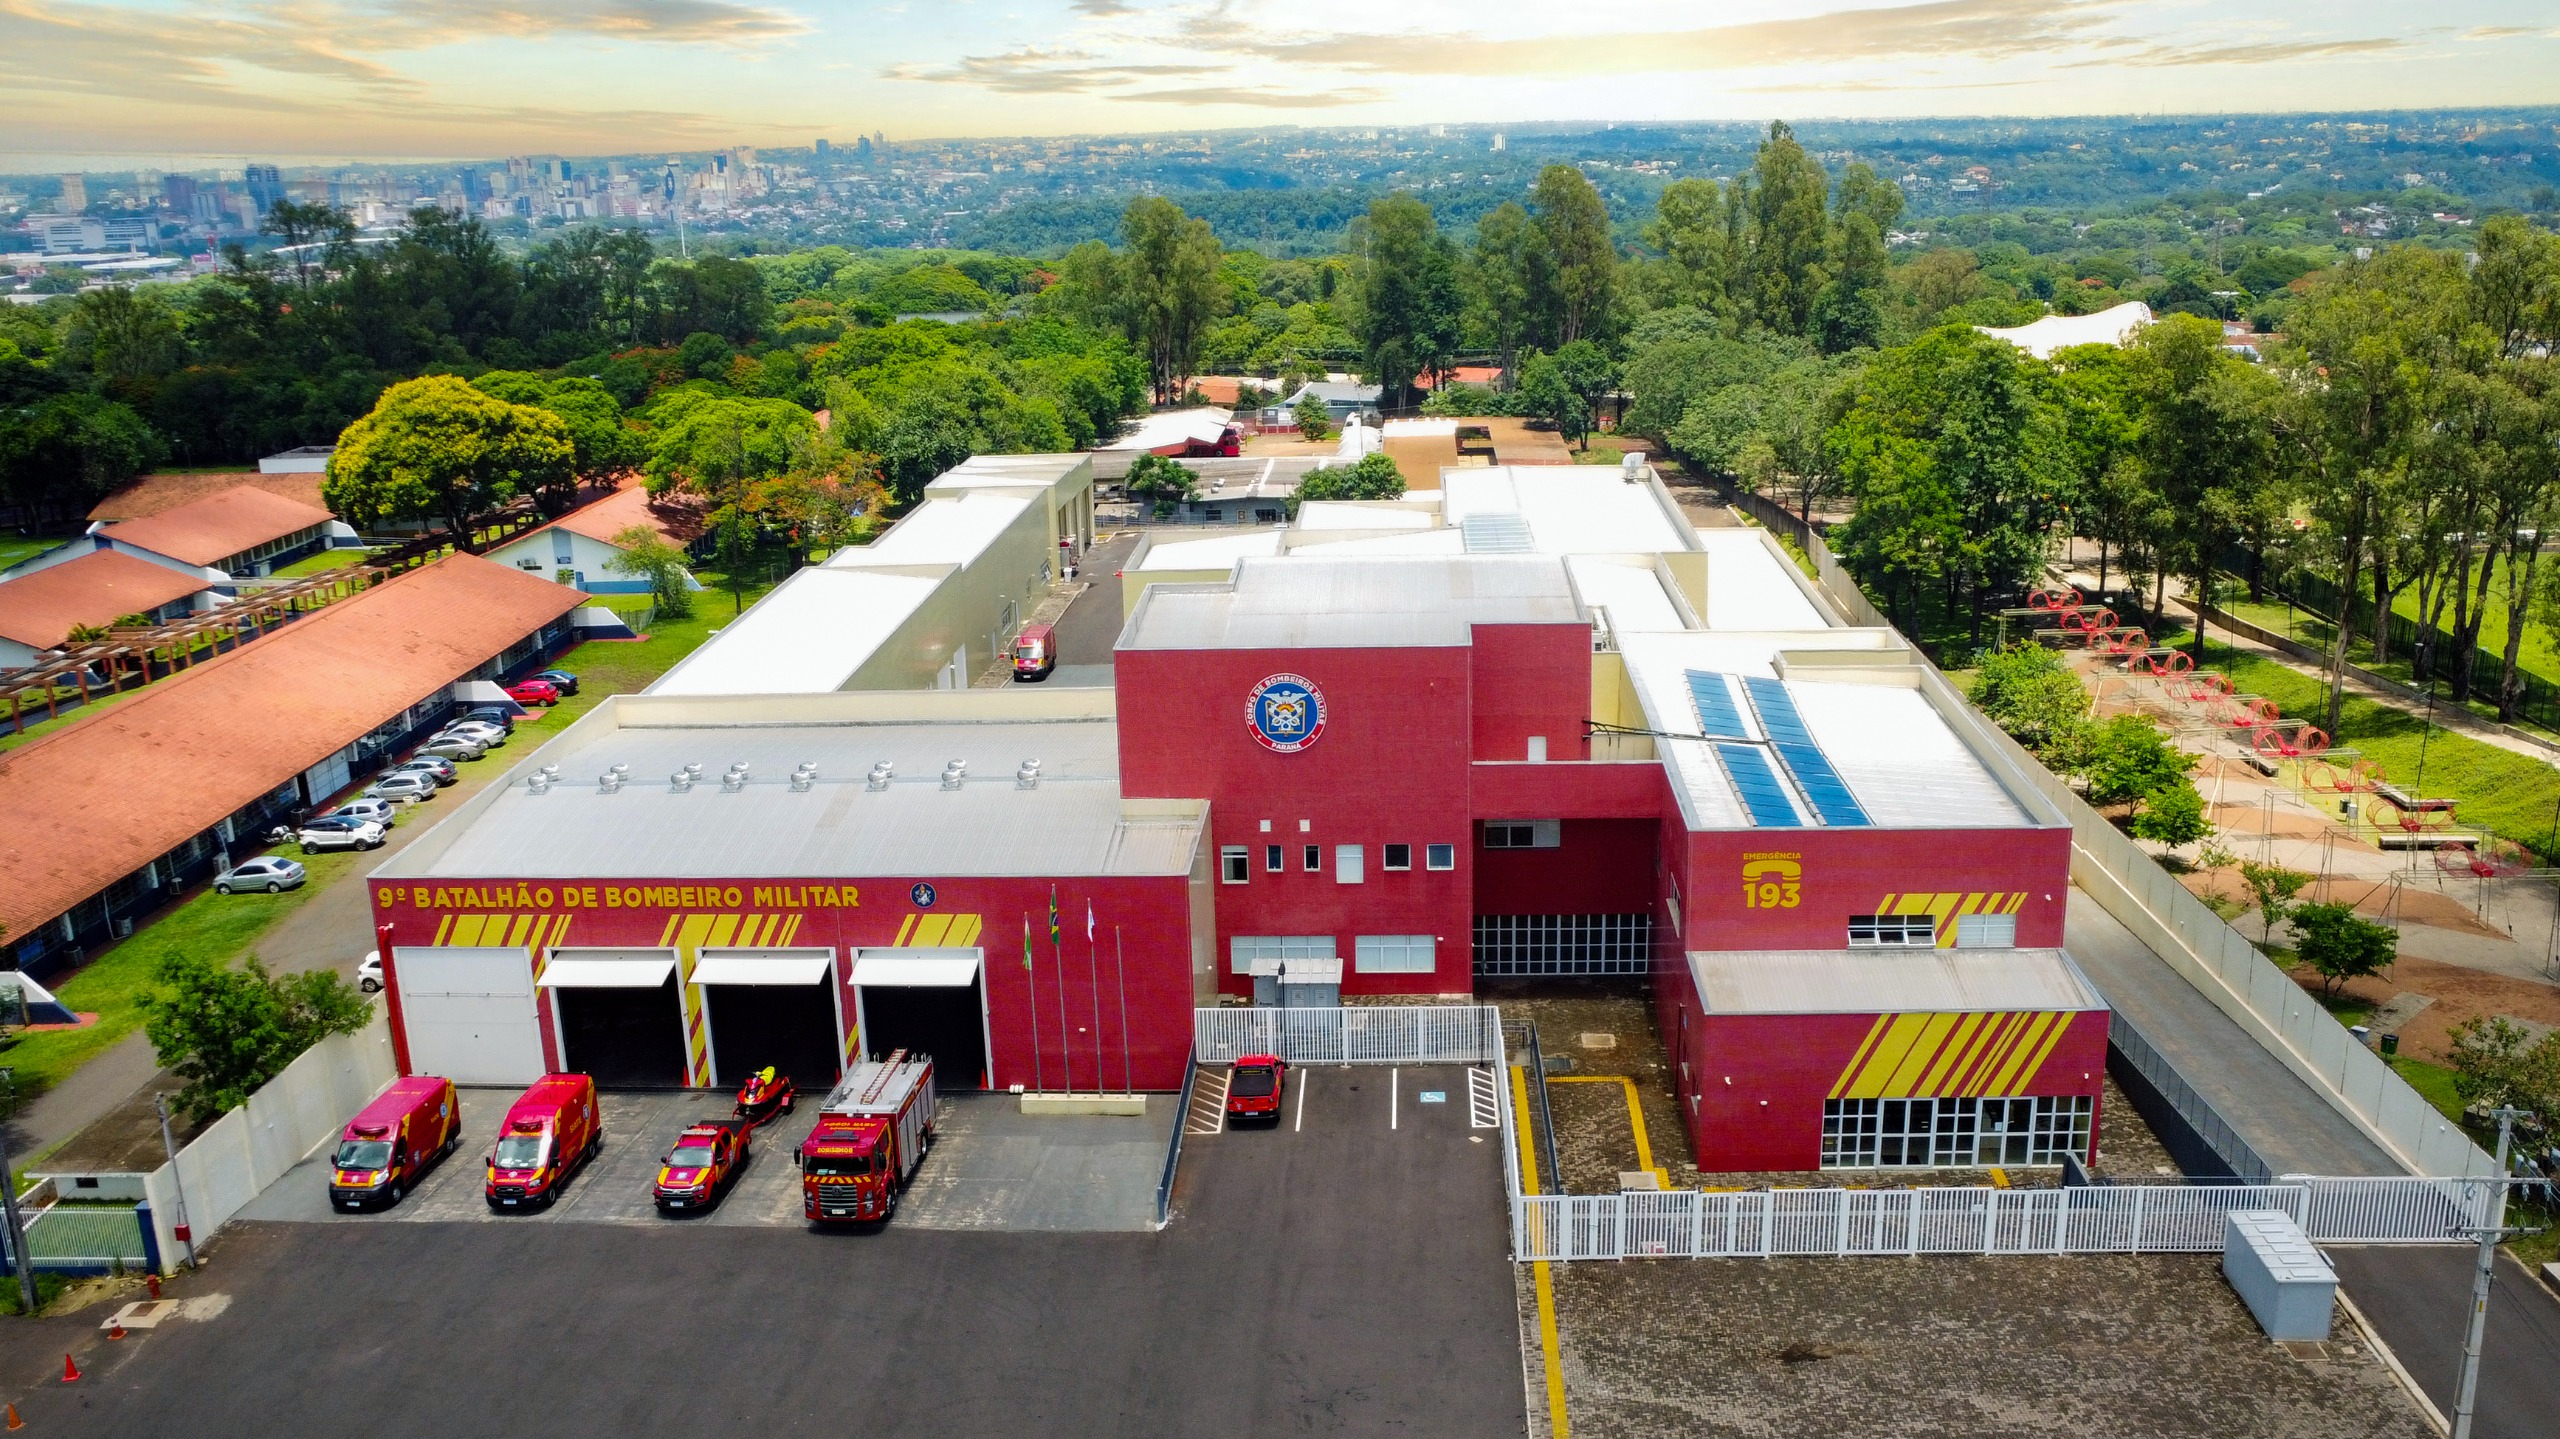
[2291,1126]
[2419,1297]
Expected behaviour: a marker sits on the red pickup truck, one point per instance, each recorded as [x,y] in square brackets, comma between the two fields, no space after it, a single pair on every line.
[703,1162]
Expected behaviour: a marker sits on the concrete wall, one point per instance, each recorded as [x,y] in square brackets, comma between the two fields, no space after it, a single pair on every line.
[977,609]
[289,1118]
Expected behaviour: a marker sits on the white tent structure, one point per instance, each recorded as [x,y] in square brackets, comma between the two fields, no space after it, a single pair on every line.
[2116,326]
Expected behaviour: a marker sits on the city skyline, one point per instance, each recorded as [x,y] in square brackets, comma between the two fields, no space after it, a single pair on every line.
[106,84]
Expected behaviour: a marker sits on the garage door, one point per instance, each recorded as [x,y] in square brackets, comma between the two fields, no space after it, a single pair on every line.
[470,1013]
[619,1016]
[925,1001]
[771,1007]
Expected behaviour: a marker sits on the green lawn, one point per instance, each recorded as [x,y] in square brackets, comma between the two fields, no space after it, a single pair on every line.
[13,549]
[2536,656]
[2433,1082]
[322,563]
[112,986]
[2513,796]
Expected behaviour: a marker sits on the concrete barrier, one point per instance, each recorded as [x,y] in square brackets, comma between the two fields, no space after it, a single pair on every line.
[250,1148]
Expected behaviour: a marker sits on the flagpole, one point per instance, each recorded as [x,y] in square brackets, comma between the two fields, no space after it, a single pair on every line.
[1066,1036]
[1032,981]
[1120,960]
[1093,948]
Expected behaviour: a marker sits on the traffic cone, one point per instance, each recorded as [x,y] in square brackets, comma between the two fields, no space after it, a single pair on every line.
[70,1371]
[14,1421]
[115,1329]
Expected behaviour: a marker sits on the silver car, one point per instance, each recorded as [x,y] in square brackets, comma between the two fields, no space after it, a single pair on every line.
[380,811]
[488,734]
[272,873]
[340,832]
[411,787]
[441,769]
[453,746]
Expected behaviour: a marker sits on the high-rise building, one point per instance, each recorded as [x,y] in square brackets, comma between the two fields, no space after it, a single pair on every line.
[75,195]
[266,188]
[178,192]
[825,150]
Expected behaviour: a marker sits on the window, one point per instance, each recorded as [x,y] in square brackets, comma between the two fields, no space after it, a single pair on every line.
[1987,931]
[1523,833]
[1347,864]
[1393,954]
[1315,859]
[1271,859]
[1234,867]
[1440,856]
[1953,1133]
[1395,856]
[1563,944]
[1244,949]
[1888,929]
[1213,514]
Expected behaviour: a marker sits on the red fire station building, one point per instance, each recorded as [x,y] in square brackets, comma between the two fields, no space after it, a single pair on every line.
[1550,729]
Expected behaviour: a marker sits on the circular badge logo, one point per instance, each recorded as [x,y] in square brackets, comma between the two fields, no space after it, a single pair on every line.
[1285,713]
[922,894]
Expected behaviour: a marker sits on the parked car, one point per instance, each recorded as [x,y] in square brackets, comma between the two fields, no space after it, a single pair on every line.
[381,812]
[488,734]
[1255,1086]
[409,787]
[561,680]
[703,1162]
[369,973]
[1035,652]
[434,765]
[499,715]
[453,746]
[270,872]
[340,831]
[534,692]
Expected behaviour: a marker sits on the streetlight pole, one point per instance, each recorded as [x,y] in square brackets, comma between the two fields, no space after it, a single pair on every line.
[2467,1389]
[2425,732]
[18,1256]
[178,1226]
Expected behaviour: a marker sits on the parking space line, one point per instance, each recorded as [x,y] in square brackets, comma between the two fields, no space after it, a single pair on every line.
[1483,1112]
[1543,1281]
[1300,1123]
[1392,1086]
[1635,1117]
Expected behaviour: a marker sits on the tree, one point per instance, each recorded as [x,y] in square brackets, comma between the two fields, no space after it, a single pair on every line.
[602,444]
[1372,477]
[301,228]
[1312,416]
[1697,227]
[2272,888]
[435,448]
[227,1031]
[63,452]
[2032,694]
[737,548]
[2202,441]
[1591,375]
[1405,305]
[643,554]
[1161,481]
[2342,945]
[713,445]
[1848,311]
[2130,760]
[2172,815]
[2498,1063]
[1573,222]
[1164,289]
[1507,272]
[1788,233]
[1545,394]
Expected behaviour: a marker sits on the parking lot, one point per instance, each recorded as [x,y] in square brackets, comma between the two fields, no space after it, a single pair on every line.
[990,1168]
[1343,1272]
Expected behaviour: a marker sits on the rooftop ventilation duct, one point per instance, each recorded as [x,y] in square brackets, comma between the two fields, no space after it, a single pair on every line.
[680,782]
[954,772]
[803,777]
[608,783]
[538,782]
[1027,777]
[735,780]
[551,771]
[880,774]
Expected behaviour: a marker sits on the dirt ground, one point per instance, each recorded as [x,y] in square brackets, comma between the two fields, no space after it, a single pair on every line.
[2459,994]
[2116,1345]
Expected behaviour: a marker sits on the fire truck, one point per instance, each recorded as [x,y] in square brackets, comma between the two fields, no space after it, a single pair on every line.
[871,1134]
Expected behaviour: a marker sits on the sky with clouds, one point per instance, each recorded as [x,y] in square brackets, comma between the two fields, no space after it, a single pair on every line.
[422,78]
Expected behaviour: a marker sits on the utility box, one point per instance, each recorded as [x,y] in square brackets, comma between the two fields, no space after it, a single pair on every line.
[1266,983]
[2278,1274]
[1314,982]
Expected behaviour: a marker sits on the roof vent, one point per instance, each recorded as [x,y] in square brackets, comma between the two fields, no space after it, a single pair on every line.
[736,779]
[694,770]
[1027,777]
[954,772]
[538,782]
[803,777]
[608,783]
[551,771]
[620,771]
[1631,467]
[880,774]
[680,782]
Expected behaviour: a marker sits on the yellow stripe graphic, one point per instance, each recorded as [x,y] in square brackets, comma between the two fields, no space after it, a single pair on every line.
[906,927]
[2027,1048]
[1958,1050]
[2015,900]
[2027,1072]
[669,936]
[964,930]
[1923,1051]
[1901,1032]
[444,927]
[1915,904]
[1999,1035]
[1874,1031]
[791,929]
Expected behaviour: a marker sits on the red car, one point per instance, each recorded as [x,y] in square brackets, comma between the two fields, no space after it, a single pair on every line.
[534,692]
[1254,1087]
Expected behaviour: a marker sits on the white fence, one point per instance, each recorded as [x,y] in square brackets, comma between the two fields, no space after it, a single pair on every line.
[251,1147]
[1359,1034]
[1766,1223]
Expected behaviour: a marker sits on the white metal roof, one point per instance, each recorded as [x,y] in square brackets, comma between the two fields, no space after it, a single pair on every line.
[1889,980]
[1569,509]
[1381,602]
[2041,338]
[1632,593]
[1007,472]
[1751,584]
[1071,823]
[807,637]
[1906,767]
[1214,552]
[1410,542]
[1363,515]
[944,530]
[1173,427]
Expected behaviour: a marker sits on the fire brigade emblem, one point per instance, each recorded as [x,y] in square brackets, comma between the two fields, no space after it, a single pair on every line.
[1285,713]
